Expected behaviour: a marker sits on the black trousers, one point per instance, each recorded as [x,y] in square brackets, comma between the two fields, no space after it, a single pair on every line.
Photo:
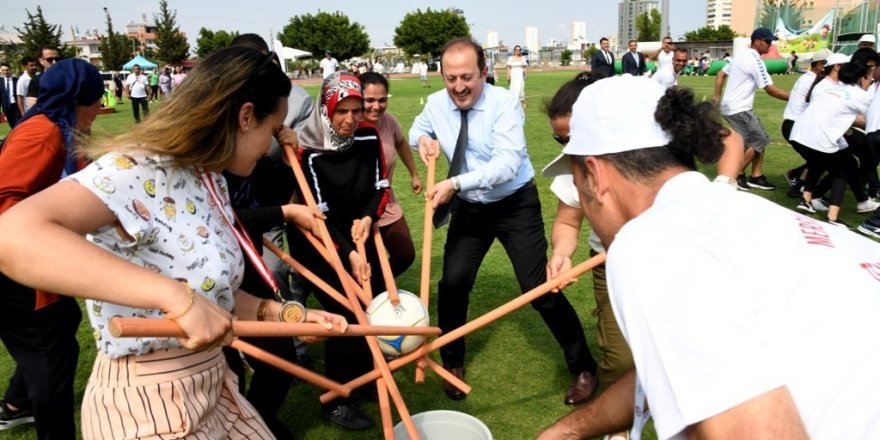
[517,223]
[12,115]
[137,104]
[345,358]
[43,345]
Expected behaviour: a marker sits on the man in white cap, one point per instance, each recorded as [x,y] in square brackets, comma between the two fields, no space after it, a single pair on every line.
[722,348]
[748,73]
[868,41]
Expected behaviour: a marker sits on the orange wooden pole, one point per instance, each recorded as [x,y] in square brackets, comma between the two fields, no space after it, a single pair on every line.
[427,240]
[385,410]
[390,284]
[477,323]
[289,367]
[163,328]
[305,272]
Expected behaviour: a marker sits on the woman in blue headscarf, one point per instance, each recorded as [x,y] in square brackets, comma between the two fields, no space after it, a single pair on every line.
[39,328]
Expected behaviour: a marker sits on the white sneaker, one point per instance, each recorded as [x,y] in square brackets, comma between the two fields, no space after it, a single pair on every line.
[819,205]
[867,206]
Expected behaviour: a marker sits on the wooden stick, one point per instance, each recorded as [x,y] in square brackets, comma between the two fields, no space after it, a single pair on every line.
[372,343]
[385,409]
[346,277]
[305,272]
[447,376]
[427,240]
[390,284]
[477,323]
[428,233]
[335,262]
[289,367]
[163,328]
[362,251]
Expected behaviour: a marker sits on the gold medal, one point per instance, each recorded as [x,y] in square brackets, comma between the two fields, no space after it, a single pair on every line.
[292,311]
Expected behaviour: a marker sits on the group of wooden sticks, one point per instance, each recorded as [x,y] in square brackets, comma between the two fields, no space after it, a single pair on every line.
[355,297]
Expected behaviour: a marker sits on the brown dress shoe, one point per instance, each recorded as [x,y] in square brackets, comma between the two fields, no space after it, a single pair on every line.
[451,391]
[582,388]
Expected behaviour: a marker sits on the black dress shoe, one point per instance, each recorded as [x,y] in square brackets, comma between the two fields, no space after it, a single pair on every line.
[348,416]
[451,391]
[582,388]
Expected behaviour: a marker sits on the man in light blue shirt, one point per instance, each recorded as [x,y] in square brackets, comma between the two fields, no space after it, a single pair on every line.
[493,195]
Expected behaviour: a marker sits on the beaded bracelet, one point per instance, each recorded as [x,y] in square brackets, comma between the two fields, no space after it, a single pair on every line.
[192,300]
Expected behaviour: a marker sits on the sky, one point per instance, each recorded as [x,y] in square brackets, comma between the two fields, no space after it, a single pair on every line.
[379,18]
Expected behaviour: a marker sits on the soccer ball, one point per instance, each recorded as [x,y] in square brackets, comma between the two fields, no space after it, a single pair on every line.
[409,313]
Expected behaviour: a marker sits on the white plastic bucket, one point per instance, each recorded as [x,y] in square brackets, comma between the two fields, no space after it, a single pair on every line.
[445,425]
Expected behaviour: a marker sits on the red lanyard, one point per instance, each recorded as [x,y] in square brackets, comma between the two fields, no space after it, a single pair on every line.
[243,238]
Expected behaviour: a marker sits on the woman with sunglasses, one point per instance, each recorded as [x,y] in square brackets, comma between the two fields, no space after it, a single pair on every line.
[147,230]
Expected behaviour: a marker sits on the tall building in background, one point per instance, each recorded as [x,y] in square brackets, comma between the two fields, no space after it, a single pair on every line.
[532,42]
[578,31]
[627,11]
[491,39]
[720,12]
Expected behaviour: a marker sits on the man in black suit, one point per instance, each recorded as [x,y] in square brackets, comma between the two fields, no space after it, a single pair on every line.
[8,105]
[634,61]
[602,61]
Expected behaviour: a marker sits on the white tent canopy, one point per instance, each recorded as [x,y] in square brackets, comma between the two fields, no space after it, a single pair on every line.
[288,53]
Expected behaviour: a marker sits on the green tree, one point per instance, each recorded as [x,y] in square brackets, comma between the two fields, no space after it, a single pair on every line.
[565,57]
[325,31]
[790,11]
[648,25]
[115,50]
[708,33]
[426,32]
[209,41]
[588,52]
[37,32]
[171,45]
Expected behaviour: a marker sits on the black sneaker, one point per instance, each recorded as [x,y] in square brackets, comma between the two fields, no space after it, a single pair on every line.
[795,191]
[9,418]
[791,178]
[839,223]
[869,229]
[741,183]
[760,182]
[348,416]
[805,206]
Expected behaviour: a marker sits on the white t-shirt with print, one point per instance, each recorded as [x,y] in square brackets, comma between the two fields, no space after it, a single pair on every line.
[830,114]
[137,85]
[173,228]
[746,73]
[709,330]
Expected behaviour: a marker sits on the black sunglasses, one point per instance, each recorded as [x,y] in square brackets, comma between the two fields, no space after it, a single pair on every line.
[53,60]
[563,140]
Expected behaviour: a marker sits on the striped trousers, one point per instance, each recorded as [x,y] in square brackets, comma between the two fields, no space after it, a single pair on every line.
[170,394]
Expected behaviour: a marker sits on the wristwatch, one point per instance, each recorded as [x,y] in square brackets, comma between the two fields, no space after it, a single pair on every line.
[456,184]
[292,311]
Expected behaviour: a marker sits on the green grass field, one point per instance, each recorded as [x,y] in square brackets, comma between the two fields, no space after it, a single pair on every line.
[514,366]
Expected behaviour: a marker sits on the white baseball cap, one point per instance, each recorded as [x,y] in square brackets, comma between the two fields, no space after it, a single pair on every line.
[837,58]
[821,55]
[867,38]
[613,115]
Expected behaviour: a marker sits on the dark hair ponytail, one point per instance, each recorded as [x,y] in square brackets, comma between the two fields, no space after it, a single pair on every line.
[694,126]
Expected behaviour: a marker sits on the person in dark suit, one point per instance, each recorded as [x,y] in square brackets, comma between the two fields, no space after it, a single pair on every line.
[602,62]
[634,61]
[8,105]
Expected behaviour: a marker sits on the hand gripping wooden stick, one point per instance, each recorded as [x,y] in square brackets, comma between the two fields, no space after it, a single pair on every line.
[477,323]
[372,343]
[362,251]
[335,262]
